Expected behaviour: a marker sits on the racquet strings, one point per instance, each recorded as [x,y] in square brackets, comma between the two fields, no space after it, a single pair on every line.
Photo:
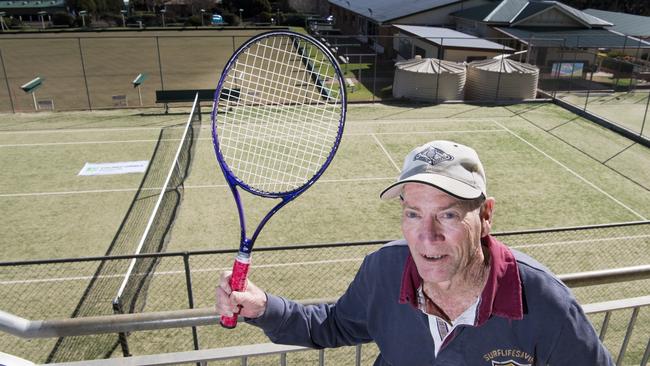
[282,109]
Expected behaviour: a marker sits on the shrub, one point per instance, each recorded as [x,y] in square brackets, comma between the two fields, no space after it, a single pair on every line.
[194,20]
[62,18]
[294,19]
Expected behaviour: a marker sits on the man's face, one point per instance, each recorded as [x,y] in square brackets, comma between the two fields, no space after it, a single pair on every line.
[443,233]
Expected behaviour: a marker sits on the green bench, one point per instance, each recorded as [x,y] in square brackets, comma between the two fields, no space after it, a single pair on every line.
[187,95]
[183,95]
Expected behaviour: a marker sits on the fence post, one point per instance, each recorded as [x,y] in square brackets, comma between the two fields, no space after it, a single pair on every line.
[636,57]
[496,94]
[573,65]
[162,81]
[645,115]
[441,54]
[11,100]
[374,80]
[620,63]
[190,295]
[83,70]
[591,85]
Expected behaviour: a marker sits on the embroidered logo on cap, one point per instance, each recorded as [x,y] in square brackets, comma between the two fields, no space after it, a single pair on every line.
[433,156]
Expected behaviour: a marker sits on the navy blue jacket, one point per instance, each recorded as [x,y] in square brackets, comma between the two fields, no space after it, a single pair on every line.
[526,316]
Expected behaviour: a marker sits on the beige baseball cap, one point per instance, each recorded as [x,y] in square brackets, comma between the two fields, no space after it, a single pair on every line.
[449,166]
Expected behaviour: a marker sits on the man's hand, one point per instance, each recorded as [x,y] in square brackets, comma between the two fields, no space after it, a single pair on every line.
[251,302]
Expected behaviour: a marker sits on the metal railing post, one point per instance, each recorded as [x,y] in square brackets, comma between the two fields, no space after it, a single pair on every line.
[646,354]
[357,355]
[628,334]
[190,295]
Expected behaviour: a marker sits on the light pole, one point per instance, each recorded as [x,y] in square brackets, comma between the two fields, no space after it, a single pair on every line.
[83,13]
[241,17]
[42,14]
[123,12]
[2,21]
[202,17]
[162,12]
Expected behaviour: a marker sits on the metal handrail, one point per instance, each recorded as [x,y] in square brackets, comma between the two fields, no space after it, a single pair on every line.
[26,328]
[266,349]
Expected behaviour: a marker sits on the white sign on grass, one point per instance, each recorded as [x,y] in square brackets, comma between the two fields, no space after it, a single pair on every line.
[123,167]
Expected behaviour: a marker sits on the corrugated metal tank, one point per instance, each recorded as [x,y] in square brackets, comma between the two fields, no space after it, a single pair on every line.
[429,80]
[501,79]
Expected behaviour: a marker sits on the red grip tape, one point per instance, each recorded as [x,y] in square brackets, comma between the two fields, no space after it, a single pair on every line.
[237,283]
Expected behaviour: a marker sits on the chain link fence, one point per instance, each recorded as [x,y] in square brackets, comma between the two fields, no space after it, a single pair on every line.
[52,289]
[606,75]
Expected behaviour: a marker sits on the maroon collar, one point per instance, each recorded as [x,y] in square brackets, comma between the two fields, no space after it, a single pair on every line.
[501,295]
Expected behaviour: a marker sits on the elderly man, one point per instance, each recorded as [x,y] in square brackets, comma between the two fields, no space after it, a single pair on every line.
[447,294]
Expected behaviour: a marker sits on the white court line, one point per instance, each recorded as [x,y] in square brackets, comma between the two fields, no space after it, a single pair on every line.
[98,142]
[60,193]
[86,142]
[385,152]
[573,172]
[163,273]
[78,192]
[581,241]
[419,132]
[354,180]
[83,130]
[380,121]
[293,264]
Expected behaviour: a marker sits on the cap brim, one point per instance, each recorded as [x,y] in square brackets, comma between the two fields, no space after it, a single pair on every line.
[452,186]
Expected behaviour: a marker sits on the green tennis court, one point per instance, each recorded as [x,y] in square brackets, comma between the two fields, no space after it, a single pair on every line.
[546,167]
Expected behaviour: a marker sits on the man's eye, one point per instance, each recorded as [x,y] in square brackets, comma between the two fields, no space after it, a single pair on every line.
[449,215]
[410,214]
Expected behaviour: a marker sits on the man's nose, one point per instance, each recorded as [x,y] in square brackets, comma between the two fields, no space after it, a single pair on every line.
[431,231]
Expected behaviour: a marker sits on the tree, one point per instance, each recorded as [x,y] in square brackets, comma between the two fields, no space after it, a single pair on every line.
[251,7]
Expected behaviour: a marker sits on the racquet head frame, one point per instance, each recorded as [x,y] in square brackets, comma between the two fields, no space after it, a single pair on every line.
[246,243]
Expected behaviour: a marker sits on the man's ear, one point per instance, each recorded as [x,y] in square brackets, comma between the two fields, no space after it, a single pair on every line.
[486,213]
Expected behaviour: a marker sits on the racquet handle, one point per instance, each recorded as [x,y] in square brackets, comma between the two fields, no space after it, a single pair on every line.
[237,283]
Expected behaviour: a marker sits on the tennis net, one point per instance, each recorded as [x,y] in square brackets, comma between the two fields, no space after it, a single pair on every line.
[153,212]
[131,295]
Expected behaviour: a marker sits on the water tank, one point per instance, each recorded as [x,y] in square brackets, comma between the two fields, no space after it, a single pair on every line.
[501,79]
[429,80]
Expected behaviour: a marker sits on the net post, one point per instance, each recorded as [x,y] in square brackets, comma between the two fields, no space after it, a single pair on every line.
[121,337]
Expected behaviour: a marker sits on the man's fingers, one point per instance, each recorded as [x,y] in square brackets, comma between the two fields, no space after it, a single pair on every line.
[224,281]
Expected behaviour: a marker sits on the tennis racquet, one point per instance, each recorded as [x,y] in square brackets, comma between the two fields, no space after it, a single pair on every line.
[277,121]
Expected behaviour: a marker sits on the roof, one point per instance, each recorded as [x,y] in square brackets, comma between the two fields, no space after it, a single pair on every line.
[632,25]
[430,66]
[506,11]
[477,13]
[513,11]
[29,4]
[450,38]
[505,65]
[563,37]
[387,10]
